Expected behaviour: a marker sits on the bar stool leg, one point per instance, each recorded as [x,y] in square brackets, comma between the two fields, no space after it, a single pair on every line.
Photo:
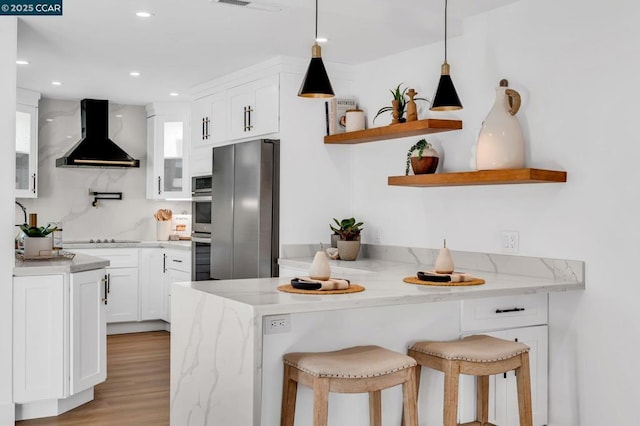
[289,393]
[451,377]
[320,402]
[482,402]
[410,401]
[524,391]
[375,408]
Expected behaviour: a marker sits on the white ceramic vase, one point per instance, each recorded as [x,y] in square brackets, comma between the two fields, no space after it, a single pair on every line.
[320,269]
[501,143]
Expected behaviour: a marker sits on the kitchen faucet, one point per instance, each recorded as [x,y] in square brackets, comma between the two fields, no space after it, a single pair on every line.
[24,211]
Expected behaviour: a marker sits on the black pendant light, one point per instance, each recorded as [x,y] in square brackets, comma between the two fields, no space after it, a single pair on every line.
[446,98]
[316,82]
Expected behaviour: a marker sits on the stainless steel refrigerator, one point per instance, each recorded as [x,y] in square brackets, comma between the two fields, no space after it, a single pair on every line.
[244,210]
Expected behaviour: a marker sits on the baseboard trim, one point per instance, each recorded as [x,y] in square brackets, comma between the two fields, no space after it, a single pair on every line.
[137,327]
[52,407]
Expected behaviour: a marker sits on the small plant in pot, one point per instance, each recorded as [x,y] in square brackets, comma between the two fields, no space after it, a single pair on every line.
[349,232]
[36,242]
[398,104]
[422,158]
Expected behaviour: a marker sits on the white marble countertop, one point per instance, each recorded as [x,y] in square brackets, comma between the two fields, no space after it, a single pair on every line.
[181,245]
[63,265]
[383,284]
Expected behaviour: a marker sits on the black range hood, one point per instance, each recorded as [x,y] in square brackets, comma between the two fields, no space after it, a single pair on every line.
[95,149]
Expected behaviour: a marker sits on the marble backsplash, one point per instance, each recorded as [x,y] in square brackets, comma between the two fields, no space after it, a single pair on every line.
[63,193]
[559,269]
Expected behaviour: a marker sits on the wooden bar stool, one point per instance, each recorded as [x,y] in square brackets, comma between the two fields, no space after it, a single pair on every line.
[354,370]
[479,356]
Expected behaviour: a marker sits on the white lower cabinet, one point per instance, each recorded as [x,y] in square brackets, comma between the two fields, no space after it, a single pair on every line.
[122,304]
[59,341]
[122,272]
[88,340]
[490,317]
[39,337]
[153,298]
[160,268]
[178,269]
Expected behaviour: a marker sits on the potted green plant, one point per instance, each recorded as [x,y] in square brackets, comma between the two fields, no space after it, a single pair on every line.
[36,240]
[349,231]
[398,104]
[422,157]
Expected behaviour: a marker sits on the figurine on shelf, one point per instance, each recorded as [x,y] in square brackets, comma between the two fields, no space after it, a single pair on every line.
[412,109]
[399,103]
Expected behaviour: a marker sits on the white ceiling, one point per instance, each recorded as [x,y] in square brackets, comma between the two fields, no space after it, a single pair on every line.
[96,43]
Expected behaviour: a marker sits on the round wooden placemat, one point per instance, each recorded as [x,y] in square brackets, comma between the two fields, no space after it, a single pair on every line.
[353,288]
[414,280]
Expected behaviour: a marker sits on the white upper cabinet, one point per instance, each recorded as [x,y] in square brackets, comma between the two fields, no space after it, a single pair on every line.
[27,144]
[209,118]
[168,151]
[254,108]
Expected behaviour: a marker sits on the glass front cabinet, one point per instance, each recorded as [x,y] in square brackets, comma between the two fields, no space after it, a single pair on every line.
[167,151]
[27,144]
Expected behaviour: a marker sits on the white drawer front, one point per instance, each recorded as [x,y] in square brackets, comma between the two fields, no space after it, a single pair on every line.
[117,257]
[504,312]
[179,261]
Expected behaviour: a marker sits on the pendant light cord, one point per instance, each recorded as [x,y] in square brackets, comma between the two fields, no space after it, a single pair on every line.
[316,39]
[445,30]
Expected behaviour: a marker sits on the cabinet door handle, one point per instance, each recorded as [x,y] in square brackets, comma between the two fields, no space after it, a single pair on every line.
[244,119]
[164,263]
[34,183]
[106,292]
[159,179]
[208,133]
[249,111]
[502,311]
[108,283]
[203,126]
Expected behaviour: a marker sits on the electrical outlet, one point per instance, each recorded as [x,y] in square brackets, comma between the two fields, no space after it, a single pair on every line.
[510,241]
[274,324]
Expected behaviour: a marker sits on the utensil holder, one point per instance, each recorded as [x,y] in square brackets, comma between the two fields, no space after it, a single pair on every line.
[163,229]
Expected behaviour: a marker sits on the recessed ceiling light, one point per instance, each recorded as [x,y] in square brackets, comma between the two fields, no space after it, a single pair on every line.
[173,94]
[119,115]
[322,39]
[142,14]
[134,74]
[56,83]
[49,120]
[22,62]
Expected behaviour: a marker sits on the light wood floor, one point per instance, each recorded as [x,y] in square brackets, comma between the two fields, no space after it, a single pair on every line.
[137,388]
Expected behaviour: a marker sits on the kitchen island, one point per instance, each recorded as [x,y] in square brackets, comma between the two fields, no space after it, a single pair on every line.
[228,337]
[59,333]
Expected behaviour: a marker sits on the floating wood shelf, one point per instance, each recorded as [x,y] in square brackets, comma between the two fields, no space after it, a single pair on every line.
[481,177]
[400,130]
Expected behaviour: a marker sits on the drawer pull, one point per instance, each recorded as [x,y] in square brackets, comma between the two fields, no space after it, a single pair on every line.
[178,261]
[502,311]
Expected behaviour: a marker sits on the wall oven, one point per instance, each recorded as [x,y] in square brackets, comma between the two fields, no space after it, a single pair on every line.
[201,191]
[201,204]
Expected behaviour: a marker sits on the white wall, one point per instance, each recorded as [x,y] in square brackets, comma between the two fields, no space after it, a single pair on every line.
[63,193]
[576,65]
[315,179]
[8,39]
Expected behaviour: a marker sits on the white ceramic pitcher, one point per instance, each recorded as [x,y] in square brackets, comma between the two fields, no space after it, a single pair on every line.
[501,143]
